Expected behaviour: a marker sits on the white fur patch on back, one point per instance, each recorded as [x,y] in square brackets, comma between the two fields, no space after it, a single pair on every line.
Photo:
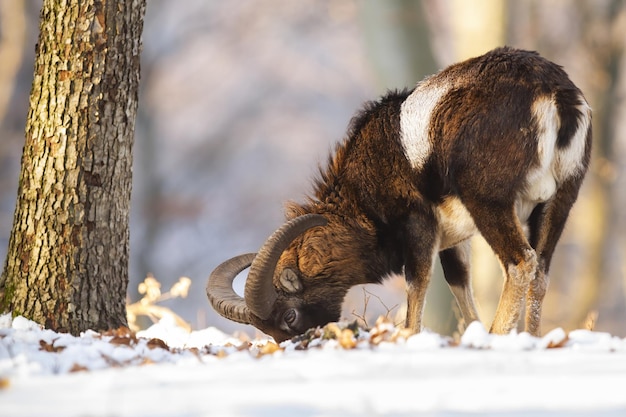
[415,116]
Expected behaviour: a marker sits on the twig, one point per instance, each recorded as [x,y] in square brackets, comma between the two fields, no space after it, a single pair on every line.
[363,317]
[367,295]
[389,310]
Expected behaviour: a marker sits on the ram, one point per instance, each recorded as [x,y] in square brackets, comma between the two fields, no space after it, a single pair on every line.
[497,145]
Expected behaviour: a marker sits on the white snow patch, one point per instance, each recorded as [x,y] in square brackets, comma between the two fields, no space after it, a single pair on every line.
[579,373]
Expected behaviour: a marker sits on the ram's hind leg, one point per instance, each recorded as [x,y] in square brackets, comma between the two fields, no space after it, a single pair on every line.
[501,228]
[455,262]
[546,224]
[518,277]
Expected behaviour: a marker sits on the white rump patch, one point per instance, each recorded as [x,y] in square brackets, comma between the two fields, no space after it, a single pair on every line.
[546,116]
[541,181]
[415,116]
[569,160]
[555,165]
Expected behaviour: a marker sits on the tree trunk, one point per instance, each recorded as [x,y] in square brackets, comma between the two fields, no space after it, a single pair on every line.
[67,263]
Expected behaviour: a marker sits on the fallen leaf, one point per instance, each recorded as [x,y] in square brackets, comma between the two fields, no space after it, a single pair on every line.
[157,343]
[78,368]
[242,347]
[347,339]
[49,347]
[331,331]
[147,361]
[269,348]
[401,334]
[121,340]
[559,343]
[121,331]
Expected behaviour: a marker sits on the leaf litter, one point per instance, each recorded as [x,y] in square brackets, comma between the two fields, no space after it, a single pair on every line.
[25,347]
[368,364]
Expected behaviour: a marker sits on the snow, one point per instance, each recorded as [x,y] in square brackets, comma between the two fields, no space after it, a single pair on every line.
[340,370]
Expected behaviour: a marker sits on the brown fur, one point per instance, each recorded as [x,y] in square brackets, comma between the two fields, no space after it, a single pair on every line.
[385,216]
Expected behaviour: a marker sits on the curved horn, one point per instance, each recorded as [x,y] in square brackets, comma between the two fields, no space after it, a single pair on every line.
[260,294]
[220,289]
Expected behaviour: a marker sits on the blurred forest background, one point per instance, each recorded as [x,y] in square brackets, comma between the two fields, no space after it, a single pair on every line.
[240,100]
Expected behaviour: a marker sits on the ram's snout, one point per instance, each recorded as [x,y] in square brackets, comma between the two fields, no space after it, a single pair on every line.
[260,296]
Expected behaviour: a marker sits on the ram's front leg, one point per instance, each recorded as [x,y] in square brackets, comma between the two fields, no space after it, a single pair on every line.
[416,294]
[419,260]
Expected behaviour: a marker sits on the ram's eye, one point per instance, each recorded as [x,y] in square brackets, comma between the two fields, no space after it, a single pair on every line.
[290,317]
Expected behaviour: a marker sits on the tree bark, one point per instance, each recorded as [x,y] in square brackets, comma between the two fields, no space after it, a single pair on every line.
[67,263]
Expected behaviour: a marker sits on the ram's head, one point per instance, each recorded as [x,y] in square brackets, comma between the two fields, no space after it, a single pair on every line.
[291,285]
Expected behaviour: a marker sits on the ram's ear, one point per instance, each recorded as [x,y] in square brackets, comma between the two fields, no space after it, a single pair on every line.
[290,281]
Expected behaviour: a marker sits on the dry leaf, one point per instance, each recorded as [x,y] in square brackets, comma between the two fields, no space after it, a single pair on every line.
[331,331]
[197,352]
[49,347]
[347,339]
[401,334]
[121,331]
[157,343]
[78,368]
[121,336]
[147,361]
[558,344]
[269,348]
[244,346]
[121,340]
[5,383]
[385,331]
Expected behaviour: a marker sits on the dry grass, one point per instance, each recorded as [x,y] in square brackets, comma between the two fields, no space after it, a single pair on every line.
[590,321]
[151,290]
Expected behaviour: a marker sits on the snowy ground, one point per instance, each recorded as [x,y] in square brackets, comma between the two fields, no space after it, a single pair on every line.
[335,371]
